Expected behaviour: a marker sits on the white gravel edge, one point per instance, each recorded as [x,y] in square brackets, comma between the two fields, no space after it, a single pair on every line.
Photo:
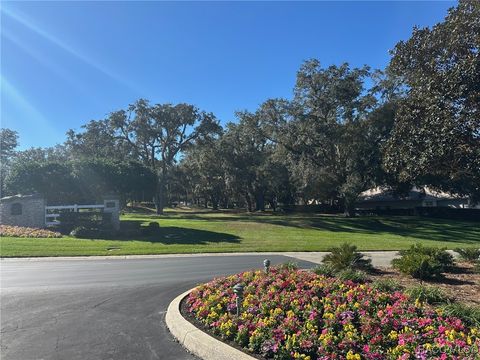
[196,341]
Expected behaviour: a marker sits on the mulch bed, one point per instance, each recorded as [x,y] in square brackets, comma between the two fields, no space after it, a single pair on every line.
[463,285]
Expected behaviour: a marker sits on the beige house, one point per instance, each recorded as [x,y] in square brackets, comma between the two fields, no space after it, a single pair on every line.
[382,198]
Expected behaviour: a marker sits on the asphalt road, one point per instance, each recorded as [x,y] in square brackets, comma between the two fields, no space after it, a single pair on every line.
[101,309]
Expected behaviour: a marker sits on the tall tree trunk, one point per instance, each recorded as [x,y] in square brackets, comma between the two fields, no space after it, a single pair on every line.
[214,202]
[225,203]
[160,196]
[349,206]
[273,204]
[259,201]
[248,200]
[159,203]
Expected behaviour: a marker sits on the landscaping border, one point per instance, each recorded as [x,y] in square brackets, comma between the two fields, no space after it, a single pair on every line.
[195,340]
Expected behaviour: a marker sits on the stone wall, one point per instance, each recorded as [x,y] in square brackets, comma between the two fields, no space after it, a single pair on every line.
[112,205]
[23,210]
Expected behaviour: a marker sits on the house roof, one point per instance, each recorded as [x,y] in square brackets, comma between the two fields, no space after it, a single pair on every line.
[384,193]
[20,197]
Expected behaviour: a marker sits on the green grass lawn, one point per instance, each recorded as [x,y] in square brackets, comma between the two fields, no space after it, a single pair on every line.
[198,232]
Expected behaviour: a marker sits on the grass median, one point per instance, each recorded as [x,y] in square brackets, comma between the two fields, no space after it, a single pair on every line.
[203,232]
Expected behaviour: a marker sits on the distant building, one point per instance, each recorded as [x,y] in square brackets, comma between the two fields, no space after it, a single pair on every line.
[383,198]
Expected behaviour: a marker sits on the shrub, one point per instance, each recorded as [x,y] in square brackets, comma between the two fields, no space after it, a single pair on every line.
[82,232]
[325,270]
[97,220]
[469,254]
[78,231]
[423,262]
[386,285]
[152,228]
[346,256]
[428,294]
[106,221]
[352,275]
[470,315]
[154,225]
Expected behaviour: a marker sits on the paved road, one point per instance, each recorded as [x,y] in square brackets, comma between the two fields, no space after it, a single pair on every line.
[101,309]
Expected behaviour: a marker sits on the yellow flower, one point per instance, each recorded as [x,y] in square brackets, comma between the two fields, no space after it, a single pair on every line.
[328,315]
[297,355]
[352,356]
[393,335]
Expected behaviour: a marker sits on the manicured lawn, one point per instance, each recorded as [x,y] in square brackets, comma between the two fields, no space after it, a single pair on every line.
[197,232]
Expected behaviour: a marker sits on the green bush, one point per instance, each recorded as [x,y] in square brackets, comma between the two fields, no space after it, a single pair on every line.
[469,254]
[154,225]
[429,294]
[88,219]
[325,270]
[82,232]
[346,256]
[106,221]
[423,262]
[470,315]
[152,228]
[387,285]
[352,275]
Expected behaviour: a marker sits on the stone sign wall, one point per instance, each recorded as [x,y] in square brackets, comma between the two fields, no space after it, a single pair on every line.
[29,210]
[23,210]
[112,205]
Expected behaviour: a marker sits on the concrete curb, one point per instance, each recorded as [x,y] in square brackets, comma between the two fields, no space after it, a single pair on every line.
[187,255]
[379,258]
[196,341]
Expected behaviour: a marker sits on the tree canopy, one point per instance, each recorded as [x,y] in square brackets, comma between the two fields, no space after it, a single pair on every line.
[343,130]
[436,137]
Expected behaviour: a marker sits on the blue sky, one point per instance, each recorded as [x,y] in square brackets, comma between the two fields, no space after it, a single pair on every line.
[65,63]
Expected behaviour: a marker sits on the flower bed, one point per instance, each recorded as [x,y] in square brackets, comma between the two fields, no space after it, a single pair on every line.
[27,232]
[291,314]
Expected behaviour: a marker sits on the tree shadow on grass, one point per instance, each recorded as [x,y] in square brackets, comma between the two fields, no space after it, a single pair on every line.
[177,235]
[132,230]
[415,227]
[455,231]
